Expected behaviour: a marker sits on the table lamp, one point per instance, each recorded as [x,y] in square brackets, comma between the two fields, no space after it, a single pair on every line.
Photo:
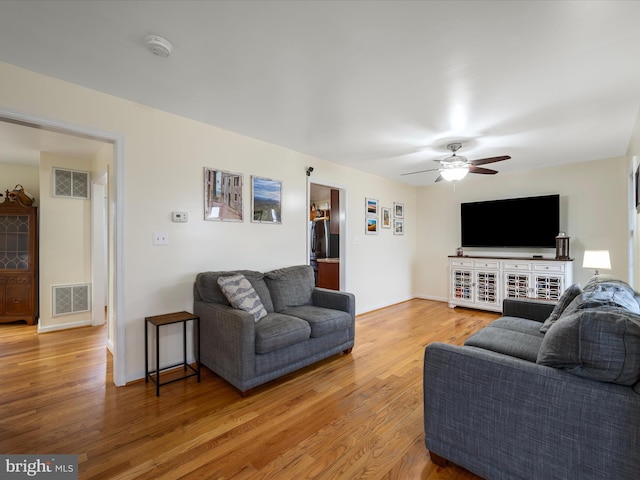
[596,259]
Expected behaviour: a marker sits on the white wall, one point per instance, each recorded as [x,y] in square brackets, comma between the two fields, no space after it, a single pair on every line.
[593,212]
[164,156]
[12,175]
[64,242]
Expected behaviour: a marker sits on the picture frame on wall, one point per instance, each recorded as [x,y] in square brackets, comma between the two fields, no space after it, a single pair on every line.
[398,227]
[398,210]
[371,225]
[266,200]
[371,207]
[386,217]
[223,195]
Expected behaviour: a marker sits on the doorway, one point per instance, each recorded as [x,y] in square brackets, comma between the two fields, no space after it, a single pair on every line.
[115,282]
[326,234]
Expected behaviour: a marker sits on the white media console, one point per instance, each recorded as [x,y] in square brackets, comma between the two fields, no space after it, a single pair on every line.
[484,282]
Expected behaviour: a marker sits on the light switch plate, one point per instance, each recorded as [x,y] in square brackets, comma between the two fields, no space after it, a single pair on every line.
[160,238]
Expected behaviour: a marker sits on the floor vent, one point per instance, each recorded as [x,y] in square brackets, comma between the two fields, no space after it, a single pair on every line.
[71,299]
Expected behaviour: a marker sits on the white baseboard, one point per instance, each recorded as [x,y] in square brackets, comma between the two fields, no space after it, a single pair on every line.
[431,297]
[63,326]
[385,305]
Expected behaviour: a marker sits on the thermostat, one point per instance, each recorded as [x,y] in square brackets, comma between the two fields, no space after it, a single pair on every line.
[181,217]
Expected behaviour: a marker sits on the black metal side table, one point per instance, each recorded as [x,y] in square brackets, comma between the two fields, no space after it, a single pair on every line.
[167,319]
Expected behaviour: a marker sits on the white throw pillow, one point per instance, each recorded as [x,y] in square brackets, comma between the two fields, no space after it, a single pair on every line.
[242,295]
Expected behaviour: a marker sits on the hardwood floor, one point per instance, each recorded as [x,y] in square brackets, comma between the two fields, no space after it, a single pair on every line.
[348,417]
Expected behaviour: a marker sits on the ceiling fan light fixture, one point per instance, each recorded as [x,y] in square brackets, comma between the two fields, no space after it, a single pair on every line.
[454,172]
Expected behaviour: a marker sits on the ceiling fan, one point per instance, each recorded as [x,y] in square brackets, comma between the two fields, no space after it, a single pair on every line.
[456,167]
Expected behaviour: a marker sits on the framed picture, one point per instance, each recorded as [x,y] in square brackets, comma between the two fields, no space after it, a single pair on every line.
[386,217]
[266,200]
[371,207]
[222,195]
[398,210]
[372,225]
[638,189]
[398,227]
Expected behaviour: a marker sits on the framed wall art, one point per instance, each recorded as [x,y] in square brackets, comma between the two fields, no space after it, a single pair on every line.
[386,217]
[266,200]
[372,226]
[371,207]
[398,227]
[222,195]
[398,210]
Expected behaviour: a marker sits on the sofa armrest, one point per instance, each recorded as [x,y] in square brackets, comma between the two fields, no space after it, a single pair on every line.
[322,297]
[502,417]
[530,309]
[227,339]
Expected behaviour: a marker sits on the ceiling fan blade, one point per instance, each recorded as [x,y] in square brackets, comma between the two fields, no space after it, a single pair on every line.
[483,171]
[440,177]
[420,171]
[484,161]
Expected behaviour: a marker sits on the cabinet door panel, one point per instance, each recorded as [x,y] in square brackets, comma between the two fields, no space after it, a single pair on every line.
[461,284]
[18,299]
[548,287]
[487,288]
[517,285]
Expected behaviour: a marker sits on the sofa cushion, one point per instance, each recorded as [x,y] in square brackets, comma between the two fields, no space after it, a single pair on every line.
[516,337]
[563,302]
[209,290]
[277,331]
[242,295]
[291,286]
[323,321]
[601,343]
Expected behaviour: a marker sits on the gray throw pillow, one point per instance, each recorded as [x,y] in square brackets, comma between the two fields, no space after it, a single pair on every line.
[563,302]
[242,295]
[209,290]
[600,343]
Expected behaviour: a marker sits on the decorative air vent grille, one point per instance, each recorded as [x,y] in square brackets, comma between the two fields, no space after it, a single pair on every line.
[70,183]
[71,299]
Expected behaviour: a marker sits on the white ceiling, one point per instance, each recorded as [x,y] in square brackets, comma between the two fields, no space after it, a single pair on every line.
[376,85]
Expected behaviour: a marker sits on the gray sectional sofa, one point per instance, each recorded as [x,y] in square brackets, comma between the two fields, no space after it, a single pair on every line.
[544,392]
[298,325]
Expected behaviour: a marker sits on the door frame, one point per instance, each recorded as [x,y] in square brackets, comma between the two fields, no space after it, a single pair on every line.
[342,215]
[99,240]
[117,140]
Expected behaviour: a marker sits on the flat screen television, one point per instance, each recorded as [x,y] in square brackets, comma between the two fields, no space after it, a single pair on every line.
[532,222]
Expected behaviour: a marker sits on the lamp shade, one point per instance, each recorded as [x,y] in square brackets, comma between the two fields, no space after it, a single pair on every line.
[596,259]
[452,174]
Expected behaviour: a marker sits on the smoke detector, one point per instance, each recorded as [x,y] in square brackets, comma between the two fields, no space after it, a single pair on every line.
[158,45]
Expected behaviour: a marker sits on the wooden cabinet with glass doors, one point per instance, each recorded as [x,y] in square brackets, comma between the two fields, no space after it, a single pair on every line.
[18,262]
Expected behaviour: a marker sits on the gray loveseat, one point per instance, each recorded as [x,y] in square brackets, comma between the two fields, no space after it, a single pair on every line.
[303,324]
[517,403]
